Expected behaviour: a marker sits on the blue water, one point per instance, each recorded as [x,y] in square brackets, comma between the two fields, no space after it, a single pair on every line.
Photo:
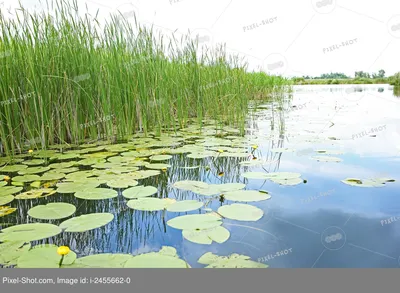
[320,223]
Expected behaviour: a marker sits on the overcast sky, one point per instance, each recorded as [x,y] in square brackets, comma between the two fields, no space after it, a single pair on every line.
[289,37]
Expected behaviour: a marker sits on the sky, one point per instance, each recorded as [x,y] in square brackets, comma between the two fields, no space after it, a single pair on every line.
[286,37]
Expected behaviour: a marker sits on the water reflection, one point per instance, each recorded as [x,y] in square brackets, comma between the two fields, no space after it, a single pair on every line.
[321,223]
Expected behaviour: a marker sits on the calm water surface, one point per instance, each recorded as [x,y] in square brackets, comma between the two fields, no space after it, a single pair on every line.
[321,223]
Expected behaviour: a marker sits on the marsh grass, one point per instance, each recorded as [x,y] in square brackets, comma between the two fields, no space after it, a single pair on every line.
[79,73]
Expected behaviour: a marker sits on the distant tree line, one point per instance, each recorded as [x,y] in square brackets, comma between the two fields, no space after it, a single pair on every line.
[339,75]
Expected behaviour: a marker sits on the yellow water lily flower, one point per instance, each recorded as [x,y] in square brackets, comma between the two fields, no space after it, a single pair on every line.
[63,250]
[220,174]
[6,178]
[220,151]
[254,147]
[164,169]
[30,151]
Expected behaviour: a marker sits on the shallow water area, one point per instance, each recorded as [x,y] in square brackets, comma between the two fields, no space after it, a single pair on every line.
[310,218]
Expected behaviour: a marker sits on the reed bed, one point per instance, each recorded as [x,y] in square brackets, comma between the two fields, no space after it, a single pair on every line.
[65,78]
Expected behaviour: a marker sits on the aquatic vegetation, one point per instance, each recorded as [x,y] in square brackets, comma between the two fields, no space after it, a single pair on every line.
[44,256]
[378,182]
[29,232]
[241,212]
[86,222]
[231,261]
[218,234]
[95,88]
[52,211]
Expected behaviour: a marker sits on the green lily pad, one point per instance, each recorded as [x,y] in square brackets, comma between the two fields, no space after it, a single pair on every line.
[289,181]
[190,185]
[104,260]
[194,222]
[44,256]
[33,170]
[63,165]
[241,212]
[232,261]
[50,176]
[2,183]
[218,234]
[86,222]
[34,162]
[35,193]
[96,194]
[26,178]
[52,211]
[202,155]
[162,259]
[148,204]
[9,190]
[122,183]
[139,192]
[160,157]
[4,211]
[246,195]
[362,182]
[157,166]
[29,232]
[72,187]
[65,157]
[185,206]
[13,168]
[6,199]
[10,251]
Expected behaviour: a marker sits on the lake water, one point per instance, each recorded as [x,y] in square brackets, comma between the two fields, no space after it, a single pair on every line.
[320,223]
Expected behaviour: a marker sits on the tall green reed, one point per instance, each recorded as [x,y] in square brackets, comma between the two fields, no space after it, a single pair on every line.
[86,80]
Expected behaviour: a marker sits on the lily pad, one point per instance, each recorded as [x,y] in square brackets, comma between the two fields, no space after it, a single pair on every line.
[34,162]
[8,190]
[122,183]
[50,176]
[362,182]
[26,178]
[44,256]
[190,185]
[35,193]
[52,211]
[185,206]
[86,222]
[241,212]
[96,194]
[160,157]
[29,232]
[232,261]
[165,258]
[6,199]
[157,166]
[194,222]
[4,211]
[246,195]
[13,168]
[33,170]
[104,260]
[139,192]
[218,234]
[148,204]
[10,251]
[72,187]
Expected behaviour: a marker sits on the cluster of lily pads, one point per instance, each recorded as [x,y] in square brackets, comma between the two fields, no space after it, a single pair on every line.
[103,171]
